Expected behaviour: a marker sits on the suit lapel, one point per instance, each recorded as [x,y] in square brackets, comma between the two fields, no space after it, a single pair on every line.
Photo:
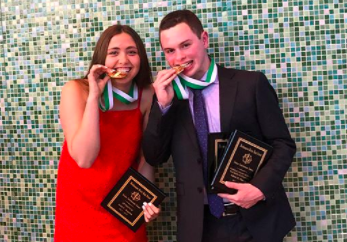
[188,123]
[227,95]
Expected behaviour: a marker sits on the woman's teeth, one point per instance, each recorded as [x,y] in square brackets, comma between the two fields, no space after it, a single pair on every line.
[124,70]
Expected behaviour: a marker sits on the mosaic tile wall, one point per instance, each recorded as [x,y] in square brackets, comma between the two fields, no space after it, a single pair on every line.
[299,45]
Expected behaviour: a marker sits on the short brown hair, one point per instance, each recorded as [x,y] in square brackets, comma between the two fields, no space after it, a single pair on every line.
[182,16]
[144,76]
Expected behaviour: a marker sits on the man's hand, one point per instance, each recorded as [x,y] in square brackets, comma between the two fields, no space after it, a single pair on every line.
[247,195]
[163,87]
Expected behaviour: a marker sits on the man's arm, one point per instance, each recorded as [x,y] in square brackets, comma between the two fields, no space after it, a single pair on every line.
[275,133]
[157,137]
[158,134]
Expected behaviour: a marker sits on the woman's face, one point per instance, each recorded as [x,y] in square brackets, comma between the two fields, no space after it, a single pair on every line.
[122,55]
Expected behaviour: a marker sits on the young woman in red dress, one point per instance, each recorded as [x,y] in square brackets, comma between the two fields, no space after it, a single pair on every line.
[103,119]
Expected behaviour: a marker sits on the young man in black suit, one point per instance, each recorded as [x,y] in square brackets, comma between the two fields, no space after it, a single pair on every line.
[225,100]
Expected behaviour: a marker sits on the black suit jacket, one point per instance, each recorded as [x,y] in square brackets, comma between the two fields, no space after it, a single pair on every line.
[247,103]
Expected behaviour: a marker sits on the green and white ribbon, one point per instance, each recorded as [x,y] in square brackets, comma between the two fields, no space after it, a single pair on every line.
[110,92]
[182,82]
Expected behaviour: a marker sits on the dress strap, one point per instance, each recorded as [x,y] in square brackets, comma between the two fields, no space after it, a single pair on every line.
[139,99]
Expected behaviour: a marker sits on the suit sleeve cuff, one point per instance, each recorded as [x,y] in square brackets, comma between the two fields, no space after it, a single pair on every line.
[164,110]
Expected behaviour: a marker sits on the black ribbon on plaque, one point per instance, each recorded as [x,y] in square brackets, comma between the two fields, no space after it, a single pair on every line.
[126,198]
[241,160]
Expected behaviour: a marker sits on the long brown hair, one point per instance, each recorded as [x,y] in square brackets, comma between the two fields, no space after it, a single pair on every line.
[144,76]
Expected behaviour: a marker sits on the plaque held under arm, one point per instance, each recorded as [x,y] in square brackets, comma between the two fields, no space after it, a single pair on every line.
[242,159]
[217,143]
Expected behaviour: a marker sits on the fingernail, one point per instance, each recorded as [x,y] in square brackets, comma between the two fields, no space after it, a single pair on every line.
[144,203]
[150,204]
[143,207]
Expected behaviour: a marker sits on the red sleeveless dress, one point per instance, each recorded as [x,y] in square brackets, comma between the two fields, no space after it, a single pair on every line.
[79,215]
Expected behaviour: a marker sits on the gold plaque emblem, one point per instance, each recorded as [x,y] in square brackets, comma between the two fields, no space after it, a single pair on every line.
[135,196]
[247,158]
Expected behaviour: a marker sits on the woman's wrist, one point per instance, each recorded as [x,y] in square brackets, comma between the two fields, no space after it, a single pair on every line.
[92,98]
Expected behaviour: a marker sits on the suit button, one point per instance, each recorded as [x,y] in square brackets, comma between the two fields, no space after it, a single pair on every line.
[200,189]
[199,160]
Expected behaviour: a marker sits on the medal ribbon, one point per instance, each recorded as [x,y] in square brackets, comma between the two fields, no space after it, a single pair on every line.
[110,92]
[182,82]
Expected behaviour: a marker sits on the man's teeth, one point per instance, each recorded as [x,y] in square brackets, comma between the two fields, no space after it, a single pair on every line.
[186,64]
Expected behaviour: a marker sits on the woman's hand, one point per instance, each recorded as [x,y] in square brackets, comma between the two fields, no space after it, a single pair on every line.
[151,212]
[96,83]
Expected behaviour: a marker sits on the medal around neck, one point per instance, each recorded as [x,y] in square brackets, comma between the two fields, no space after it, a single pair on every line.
[182,82]
[106,99]
[116,74]
[180,68]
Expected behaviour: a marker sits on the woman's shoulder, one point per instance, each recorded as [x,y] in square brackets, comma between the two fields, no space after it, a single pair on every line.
[76,83]
[148,90]
[76,87]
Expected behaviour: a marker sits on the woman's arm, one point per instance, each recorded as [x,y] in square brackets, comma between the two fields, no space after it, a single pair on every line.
[144,168]
[79,116]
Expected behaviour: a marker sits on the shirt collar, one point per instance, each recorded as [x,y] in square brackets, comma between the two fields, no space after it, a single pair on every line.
[204,79]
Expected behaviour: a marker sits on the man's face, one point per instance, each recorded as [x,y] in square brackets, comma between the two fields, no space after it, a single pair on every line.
[181,46]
